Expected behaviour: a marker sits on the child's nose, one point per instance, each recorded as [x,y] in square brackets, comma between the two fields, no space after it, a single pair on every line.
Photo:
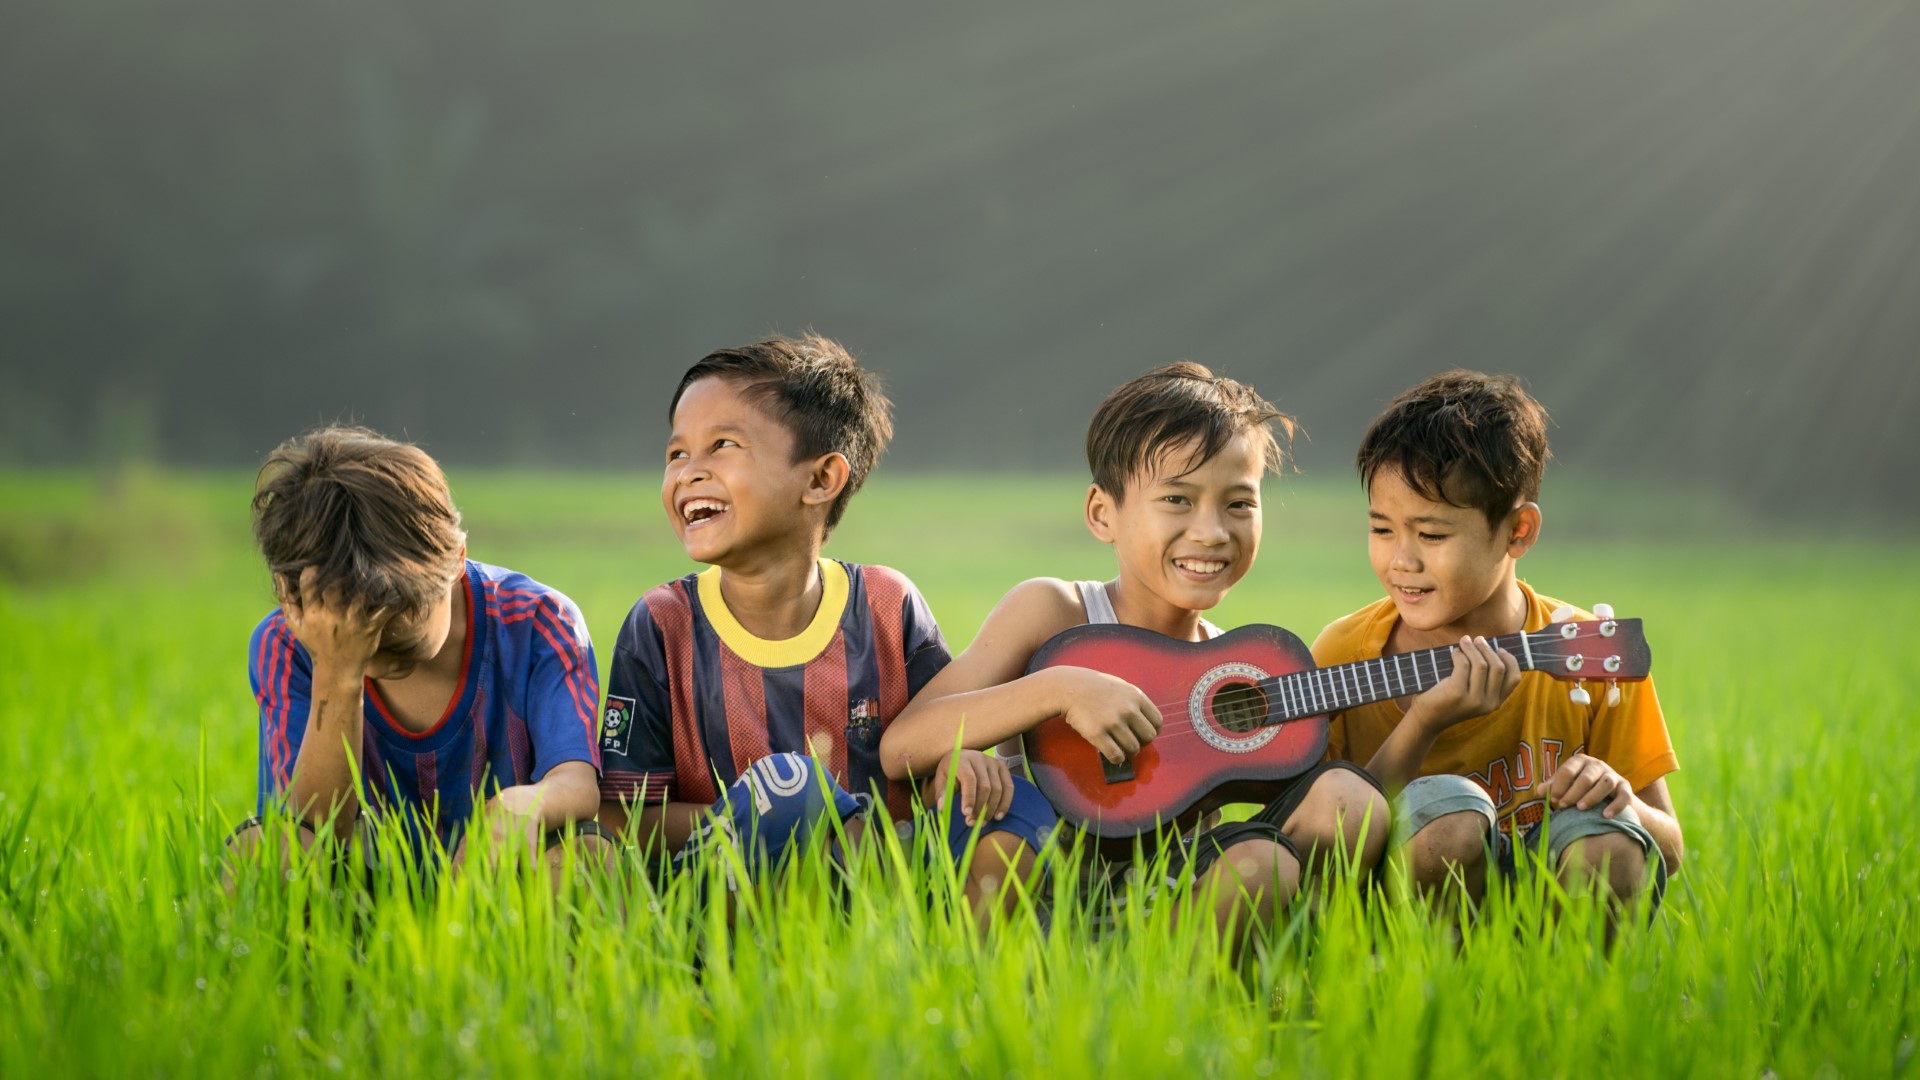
[1208,529]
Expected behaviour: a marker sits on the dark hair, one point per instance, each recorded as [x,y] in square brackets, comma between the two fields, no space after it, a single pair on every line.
[816,389]
[374,515]
[1462,438]
[1172,405]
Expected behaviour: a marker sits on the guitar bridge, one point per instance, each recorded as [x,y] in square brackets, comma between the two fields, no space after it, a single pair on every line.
[1116,773]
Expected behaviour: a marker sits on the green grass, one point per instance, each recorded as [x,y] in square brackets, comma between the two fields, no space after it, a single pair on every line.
[127,749]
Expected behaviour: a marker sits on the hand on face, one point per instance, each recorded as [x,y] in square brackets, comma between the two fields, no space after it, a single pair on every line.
[1584,782]
[985,785]
[338,634]
[1109,712]
[1482,679]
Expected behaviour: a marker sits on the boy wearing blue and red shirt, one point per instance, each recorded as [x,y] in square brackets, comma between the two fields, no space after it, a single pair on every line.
[438,680]
[728,687]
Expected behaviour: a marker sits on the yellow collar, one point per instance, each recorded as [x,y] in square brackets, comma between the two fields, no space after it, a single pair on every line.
[793,651]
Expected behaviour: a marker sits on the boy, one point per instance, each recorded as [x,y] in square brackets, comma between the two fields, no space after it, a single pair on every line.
[392,655]
[728,685]
[1177,456]
[1452,472]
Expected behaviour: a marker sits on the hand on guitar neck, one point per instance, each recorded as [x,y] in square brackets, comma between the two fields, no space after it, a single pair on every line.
[1484,676]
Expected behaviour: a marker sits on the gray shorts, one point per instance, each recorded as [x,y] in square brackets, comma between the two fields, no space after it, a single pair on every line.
[1430,798]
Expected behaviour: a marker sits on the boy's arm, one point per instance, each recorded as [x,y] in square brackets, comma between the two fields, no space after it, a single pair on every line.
[637,788]
[985,696]
[654,825]
[563,694]
[1483,677]
[1655,807]
[340,639]
[1632,733]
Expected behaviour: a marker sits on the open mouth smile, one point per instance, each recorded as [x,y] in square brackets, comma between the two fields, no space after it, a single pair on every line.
[697,513]
[1203,569]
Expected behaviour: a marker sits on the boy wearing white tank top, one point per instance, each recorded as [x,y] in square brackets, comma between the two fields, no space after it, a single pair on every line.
[1177,457]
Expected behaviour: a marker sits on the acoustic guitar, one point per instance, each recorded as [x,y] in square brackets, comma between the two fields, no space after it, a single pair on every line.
[1248,709]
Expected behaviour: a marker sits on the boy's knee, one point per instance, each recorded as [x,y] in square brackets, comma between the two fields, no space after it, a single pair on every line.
[1261,867]
[1613,859]
[1449,844]
[1342,809]
[1000,857]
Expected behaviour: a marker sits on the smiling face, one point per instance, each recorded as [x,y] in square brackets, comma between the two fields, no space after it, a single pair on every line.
[1183,539]
[1448,571]
[732,489]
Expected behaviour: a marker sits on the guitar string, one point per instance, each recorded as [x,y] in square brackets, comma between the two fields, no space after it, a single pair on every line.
[1193,730]
[1269,684]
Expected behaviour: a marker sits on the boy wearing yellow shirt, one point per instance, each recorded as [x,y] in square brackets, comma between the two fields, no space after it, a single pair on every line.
[1452,472]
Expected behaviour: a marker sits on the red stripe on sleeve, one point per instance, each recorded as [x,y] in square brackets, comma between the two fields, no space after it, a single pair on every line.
[569,663]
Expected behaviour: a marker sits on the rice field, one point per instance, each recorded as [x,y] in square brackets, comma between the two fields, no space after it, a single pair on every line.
[127,752]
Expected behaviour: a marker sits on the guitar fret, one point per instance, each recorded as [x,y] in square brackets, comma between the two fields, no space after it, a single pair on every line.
[1400,675]
[1367,668]
[1526,647]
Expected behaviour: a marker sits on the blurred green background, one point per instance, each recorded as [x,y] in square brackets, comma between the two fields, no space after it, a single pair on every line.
[503,229]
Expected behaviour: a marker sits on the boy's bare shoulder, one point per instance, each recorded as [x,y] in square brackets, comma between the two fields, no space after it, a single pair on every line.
[1045,600]
[1029,614]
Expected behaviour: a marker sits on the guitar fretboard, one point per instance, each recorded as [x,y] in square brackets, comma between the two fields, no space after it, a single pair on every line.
[1363,682]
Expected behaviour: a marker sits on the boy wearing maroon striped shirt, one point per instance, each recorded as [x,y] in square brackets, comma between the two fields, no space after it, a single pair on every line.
[750,697]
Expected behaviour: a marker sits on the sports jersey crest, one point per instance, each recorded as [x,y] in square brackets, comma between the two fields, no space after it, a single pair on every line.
[616,724]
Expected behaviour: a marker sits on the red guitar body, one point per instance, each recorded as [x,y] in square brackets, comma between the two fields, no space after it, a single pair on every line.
[1212,748]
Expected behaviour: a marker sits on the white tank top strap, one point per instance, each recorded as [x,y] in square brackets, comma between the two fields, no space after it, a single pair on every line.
[1093,595]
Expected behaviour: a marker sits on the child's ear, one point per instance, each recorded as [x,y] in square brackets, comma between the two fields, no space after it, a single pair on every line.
[1523,529]
[1100,510]
[828,479]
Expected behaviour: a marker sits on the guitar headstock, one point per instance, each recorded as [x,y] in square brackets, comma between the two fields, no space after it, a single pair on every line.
[1600,649]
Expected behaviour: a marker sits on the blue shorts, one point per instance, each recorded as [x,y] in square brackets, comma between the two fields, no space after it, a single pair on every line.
[773,809]
[781,799]
[1031,818]
[1429,798]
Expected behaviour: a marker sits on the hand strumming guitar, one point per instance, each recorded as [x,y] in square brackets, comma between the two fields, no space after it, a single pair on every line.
[1107,711]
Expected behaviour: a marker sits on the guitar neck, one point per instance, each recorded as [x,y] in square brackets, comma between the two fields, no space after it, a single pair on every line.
[1363,682]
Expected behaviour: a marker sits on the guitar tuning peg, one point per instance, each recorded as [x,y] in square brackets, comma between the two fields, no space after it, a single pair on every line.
[1613,695]
[1561,613]
[1603,611]
[1579,696]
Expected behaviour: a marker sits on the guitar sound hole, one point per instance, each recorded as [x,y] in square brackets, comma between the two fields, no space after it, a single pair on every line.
[1239,707]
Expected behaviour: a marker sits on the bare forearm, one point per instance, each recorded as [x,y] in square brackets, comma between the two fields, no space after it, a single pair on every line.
[569,792]
[669,824]
[1398,760]
[1665,828]
[322,783]
[926,732]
